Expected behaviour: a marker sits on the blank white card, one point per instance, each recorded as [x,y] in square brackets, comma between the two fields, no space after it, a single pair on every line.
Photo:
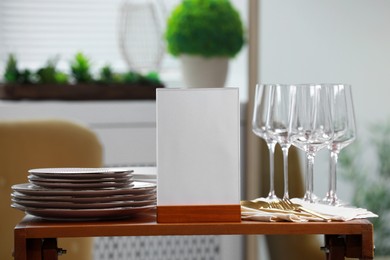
[198,146]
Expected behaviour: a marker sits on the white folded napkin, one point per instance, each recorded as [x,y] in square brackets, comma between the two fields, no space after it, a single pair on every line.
[260,215]
[338,213]
[332,212]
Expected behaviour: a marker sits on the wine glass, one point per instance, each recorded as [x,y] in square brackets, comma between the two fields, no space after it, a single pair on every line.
[311,127]
[343,119]
[279,120]
[259,126]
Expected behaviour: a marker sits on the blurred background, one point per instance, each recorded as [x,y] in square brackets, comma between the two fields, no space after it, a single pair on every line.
[298,41]
[38,30]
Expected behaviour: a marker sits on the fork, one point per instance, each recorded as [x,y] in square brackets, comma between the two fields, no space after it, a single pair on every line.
[289,205]
[271,207]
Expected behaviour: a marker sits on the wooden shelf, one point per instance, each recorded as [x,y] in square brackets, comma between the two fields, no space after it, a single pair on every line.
[79,92]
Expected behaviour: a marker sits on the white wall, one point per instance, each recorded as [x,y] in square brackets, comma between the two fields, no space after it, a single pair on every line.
[347,41]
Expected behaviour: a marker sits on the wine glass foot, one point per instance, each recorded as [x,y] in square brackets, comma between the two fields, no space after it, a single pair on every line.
[333,200]
[310,197]
[271,197]
[268,199]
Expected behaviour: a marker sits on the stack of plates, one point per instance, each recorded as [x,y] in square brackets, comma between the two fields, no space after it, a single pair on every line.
[83,193]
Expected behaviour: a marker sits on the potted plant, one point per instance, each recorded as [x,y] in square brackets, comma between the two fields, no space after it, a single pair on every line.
[204,34]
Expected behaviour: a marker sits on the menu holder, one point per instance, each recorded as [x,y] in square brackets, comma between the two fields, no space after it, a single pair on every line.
[198,155]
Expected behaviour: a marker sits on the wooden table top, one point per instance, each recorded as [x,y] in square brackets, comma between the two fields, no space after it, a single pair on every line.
[146,225]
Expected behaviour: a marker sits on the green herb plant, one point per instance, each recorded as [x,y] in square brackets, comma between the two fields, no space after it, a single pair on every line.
[80,68]
[204,27]
[371,180]
[153,77]
[11,73]
[107,75]
[50,75]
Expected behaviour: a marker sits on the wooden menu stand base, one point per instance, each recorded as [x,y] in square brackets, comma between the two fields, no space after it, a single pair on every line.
[198,213]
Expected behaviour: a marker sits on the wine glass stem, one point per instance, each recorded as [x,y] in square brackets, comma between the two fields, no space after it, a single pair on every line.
[285,170]
[309,196]
[271,150]
[333,176]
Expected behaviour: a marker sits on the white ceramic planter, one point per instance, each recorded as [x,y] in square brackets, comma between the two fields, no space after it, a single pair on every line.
[201,72]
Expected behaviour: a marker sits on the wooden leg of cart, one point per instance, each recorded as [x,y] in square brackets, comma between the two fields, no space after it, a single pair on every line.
[334,247]
[27,249]
[49,249]
[34,248]
[353,246]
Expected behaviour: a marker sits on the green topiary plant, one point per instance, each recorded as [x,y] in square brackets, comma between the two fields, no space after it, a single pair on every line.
[204,27]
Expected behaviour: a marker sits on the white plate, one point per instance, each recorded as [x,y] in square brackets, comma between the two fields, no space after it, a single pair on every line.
[82,185]
[31,189]
[71,205]
[84,214]
[145,173]
[80,172]
[125,178]
[94,199]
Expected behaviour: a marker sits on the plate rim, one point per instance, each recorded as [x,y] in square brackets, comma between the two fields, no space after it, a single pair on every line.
[34,189]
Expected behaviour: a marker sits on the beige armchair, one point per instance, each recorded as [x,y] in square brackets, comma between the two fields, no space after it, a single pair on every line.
[40,144]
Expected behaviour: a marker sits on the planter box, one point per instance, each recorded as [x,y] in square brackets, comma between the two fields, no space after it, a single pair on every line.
[78,92]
